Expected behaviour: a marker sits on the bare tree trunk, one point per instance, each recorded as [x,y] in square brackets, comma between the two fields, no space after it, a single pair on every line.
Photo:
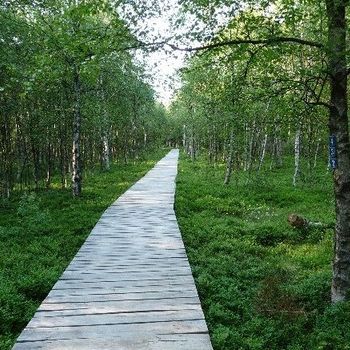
[21,154]
[276,154]
[263,152]
[215,146]
[105,150]
[273,152]
[251,146]
[105,156]
[36,166]
[211,145]
[296,156]
[246,146]
[145,137]
[63,158]
[184,138]
[229,163]
[316,152]
[278,149]
[49,165]
[192,147]
[6,162]
[76,156]
[309,145]
[338,126]
[126,149]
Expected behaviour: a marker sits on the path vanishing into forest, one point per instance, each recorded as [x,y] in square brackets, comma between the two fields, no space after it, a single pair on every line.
[130,285]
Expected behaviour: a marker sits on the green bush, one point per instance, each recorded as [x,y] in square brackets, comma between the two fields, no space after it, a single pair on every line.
[263,285]
[31,214]
[41,232]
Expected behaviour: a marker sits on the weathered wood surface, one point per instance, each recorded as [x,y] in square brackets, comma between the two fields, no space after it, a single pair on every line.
[130,285]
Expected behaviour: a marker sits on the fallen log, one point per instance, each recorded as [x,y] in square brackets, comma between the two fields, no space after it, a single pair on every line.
[299,222]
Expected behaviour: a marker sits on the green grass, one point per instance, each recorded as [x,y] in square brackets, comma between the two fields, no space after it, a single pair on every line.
[262,284]
[41,232]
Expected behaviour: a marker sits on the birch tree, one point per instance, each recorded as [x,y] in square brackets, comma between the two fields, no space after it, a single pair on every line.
[302,27]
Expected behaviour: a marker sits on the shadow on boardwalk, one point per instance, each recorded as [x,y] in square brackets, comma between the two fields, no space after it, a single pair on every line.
[130,285]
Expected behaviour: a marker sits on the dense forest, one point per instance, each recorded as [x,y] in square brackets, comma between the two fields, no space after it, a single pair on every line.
[260,116]
[72,95]
[274,72]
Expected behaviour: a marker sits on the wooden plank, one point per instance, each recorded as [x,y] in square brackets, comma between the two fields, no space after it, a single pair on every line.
[104,306]
[114,331]
[141,295]
[130,286]
[143,341]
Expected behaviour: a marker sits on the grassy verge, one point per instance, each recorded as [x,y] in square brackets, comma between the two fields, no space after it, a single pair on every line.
[263,285]
[41,232]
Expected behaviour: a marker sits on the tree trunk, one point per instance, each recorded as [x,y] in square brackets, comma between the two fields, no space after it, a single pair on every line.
[105,151]
[145,138]
[105,154]
[49,165]
[192,147]
[316,152]
[76,156]
[338,126]
[215,146]
[249,160]
[229,160]
[263,152]
[296,156]
[22,155]
[310,138]
[184,137]
[36,165]
[6,161]
[62,152]
[278,150]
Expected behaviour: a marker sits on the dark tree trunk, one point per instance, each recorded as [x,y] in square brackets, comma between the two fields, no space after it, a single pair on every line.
[49,165]
[338,126]
[6,161]
[36,165]
[63,158]
[229,163]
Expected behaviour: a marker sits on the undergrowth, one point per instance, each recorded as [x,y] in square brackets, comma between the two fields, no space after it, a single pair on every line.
[40,232]
[263,285]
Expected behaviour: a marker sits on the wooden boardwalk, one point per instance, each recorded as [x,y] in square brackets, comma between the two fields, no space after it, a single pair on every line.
[130,285]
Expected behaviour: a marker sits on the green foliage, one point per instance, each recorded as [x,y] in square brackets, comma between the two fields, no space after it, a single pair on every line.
[44,51]
[41,232]
[31,214]
[263,285]
[332,328]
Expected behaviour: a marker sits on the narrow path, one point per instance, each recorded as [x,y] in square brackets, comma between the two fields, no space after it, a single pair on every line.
[130,285]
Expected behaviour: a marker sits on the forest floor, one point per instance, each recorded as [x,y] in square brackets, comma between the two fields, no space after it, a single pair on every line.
[263,285]
[40,232]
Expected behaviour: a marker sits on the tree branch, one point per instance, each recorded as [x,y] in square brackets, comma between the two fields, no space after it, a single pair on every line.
[268,41]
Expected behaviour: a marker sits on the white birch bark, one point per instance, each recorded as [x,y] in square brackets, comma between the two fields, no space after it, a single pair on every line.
[263,152]
[76,157]
[297,148]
